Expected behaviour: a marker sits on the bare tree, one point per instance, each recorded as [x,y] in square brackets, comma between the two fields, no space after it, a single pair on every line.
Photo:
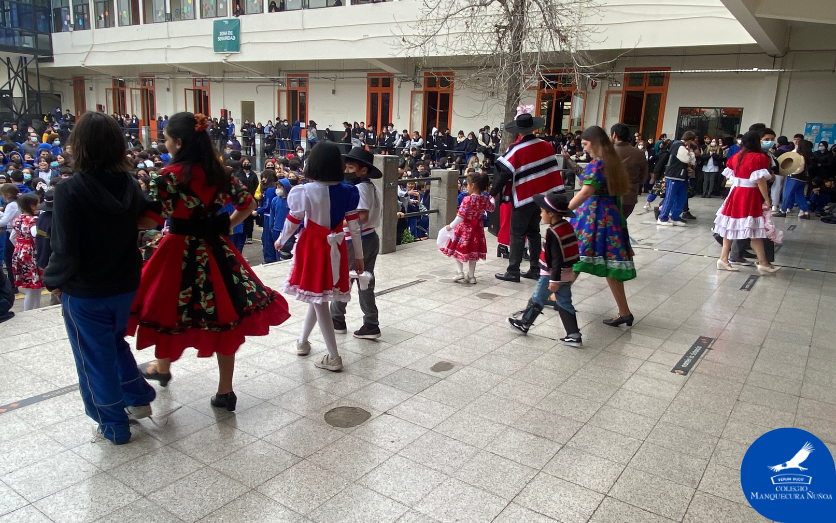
[504,45]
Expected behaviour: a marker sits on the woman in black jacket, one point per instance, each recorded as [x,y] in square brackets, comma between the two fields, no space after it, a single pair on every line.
[97,282]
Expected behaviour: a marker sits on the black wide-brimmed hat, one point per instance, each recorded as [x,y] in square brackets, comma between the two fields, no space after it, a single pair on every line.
[524,124]
[47,204]
[554,202]
[364,157]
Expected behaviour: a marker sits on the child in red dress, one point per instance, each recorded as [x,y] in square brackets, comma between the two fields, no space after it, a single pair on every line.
[28,276]
[467,243]
[319,273]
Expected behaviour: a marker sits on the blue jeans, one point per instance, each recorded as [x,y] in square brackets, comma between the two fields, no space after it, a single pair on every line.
[794,194]
[563,294]
[676,194]
[817,202]
[108,378]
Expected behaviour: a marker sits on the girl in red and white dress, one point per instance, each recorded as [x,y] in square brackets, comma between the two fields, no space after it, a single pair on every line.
[27,275]
[319,271]
[467,243]
[744,214]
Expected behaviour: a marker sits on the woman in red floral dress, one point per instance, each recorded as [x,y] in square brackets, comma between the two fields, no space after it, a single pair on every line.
[197,290]
[27,275]
[467,244]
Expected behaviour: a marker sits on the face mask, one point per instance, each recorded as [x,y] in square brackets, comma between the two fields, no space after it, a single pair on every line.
[280,192]
[822,149]
[293,181]
[767,144]
[641,147]
[246,167]
[713,144]
[56,142]
[740,142]
[34,139]
[53,164]
[154,146]
[27,176]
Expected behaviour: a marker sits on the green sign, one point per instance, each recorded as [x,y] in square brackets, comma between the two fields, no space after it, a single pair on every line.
[226,35]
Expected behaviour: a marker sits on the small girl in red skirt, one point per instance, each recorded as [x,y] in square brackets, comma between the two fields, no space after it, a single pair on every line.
[468,241]
[319,273]
[27,275]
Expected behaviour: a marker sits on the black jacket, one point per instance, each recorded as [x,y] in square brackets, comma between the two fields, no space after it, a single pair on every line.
[94,232]
[250,182]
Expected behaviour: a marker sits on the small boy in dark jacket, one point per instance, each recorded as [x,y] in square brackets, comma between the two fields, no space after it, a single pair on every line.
[43,248]
[558,255]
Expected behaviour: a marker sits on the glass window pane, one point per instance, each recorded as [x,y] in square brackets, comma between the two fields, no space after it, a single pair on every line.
[387,81]
[652,104]
[546,110]
[443,112]
[373,108]
[303,108]
[431,104]
[292,82]
[656,79]
[303,82]
[374,81]
[636,80]
[431,81]
[613,111]
[445,81]
[384,110]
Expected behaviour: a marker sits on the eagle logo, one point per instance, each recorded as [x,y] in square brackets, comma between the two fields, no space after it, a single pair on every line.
[796,461]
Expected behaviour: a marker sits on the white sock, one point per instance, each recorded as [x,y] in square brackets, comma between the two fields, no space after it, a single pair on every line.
[471,269]
[308,325]
[459,267]
[326,325]
[31,299]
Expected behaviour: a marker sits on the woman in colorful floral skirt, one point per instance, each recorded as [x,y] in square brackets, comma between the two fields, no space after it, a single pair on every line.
[600,225]
[197,290]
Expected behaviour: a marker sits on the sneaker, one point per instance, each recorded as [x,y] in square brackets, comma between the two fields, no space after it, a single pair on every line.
[471,280]
[460,278]
[99,436]
[367,332]
[779,214]
[303,348]
[664,224]
[572,342]
[249,241]
[340,326]
[805,216]
[329,363]
[688,216]
[646,207]
[678,223]
[138,412]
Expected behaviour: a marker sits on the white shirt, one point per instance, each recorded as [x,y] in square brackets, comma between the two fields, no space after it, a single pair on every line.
[370,201]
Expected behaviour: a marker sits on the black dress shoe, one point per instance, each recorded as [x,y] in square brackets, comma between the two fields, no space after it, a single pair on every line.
[688,216]
[615,322]
[507,276]
[162,378]
[224,401]
[531,275]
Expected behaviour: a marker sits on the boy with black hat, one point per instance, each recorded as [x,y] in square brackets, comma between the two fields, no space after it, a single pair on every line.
[359,171]
[558,255]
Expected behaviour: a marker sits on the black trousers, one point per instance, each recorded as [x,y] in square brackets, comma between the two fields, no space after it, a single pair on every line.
[249,224]
[525,223]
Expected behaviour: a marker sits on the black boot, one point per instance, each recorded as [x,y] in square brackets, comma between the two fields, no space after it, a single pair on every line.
[527,319]
[570,323]
[502,251]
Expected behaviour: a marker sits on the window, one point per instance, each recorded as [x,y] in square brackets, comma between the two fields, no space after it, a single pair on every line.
[182,10]
[560,103]
[79,96]
[197,98]
[253,7]
[154,11]
[712,121]
[104,14]
[213,8]
[118,97]
[438,102]
[643,105]
[128,12]
[297,98]
[379,101]
[81,14]
[60,16]
[144,102]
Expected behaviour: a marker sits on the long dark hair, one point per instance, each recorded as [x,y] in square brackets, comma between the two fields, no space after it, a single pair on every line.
[751,143]
[617,179]
[805,149]
[325,163]
[196,148]
[97,144]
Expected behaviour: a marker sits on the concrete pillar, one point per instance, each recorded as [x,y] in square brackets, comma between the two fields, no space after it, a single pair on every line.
[145,136]
[258,149]
[388,186]
[444,196]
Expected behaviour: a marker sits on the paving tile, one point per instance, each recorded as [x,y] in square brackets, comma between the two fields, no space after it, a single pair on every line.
[255,463]
[304,436]
[262,419]
[389,432]
[358,504]
[497,409]
[403,480]
[455,501]
[470,428]
[303,487]
[253,507]
[409,380]
[670,464]
[46,477]
[155,470]
[140,511]
[705,508]
[87,501]
[514,513]
[612,510]
[10,500]
[559,499]
[605,444]
[652,493]
[623,422]
[27,514]
[213,443]
[723,482]
[548,425]
[584,469]
[495,474]
[682,440]
[569,406]
[522,447]
[422,411]
[198,494]
[439,452]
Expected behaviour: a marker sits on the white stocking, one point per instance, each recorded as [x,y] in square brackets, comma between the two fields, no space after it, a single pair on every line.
[459,267]
[310,321]
[326,325]
[31,299]
[471,269]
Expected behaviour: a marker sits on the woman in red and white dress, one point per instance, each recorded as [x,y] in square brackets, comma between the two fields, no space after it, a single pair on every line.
[744,213]
[319,273]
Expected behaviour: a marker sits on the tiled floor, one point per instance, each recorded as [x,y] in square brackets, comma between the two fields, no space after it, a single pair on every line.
[521,429]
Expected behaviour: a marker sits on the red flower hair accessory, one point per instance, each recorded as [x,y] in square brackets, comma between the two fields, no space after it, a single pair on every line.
[202,123]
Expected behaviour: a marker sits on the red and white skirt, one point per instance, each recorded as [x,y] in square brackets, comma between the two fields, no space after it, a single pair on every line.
[319,270]
[742,214]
